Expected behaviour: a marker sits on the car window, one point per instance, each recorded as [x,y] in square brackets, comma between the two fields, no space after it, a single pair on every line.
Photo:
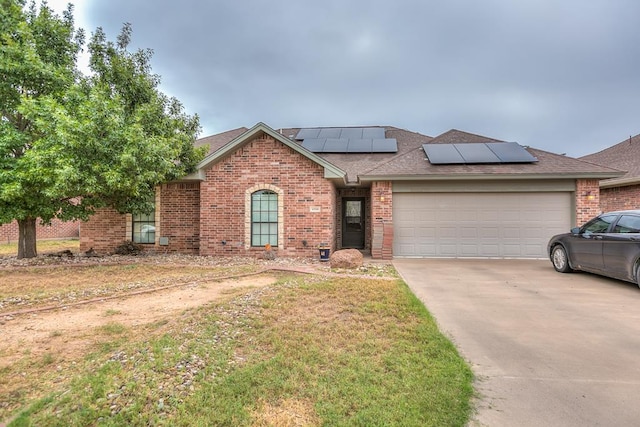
[628,224]
[598,225]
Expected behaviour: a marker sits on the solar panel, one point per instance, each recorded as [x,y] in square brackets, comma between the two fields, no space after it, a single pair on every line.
[330,133]
[307,133]
[511,152]
[373,133]
[335,145]
[477,153]
[384,145]
[351,133]
[441,154]
[346,140]
[314,145]
[359,146]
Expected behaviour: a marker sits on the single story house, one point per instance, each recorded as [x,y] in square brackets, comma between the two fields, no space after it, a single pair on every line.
[621,192]
[387,191]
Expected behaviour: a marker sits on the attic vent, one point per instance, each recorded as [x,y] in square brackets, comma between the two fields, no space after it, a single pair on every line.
[347,140]
[474,153]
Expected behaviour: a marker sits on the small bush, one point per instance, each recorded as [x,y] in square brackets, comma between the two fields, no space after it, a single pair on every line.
[128,248]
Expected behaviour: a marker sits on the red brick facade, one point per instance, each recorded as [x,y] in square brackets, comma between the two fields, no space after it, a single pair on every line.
[213,217]
[306,200]
[620,198]
[57,230]
[382,219]
[587,200]
[104,231]
[178,212]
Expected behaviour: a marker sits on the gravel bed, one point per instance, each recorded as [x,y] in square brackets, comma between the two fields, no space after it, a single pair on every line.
[52,260]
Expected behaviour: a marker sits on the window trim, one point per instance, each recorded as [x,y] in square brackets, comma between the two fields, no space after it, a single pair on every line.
[247,213]
[153,220]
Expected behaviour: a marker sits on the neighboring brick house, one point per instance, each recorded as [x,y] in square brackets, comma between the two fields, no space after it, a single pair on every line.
[622,192]
[371,188]
[56,230]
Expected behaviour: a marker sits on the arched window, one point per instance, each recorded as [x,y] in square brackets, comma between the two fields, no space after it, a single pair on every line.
[264,218]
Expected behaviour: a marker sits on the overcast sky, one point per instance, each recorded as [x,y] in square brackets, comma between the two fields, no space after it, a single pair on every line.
[559,75]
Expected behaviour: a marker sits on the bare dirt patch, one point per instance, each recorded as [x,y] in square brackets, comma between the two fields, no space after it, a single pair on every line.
[57,313]
[52,318]
[66,333]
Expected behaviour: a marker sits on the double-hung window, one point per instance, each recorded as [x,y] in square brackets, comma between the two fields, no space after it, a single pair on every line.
[144,227]
[264,218]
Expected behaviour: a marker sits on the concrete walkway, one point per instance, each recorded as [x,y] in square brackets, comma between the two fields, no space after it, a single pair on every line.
[548,349]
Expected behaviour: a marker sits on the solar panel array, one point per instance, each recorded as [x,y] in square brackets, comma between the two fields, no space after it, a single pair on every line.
[347,140]
[474,153]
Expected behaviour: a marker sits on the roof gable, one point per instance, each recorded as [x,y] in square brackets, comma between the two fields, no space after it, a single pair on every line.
[455,136]
[330,170]
[624,156]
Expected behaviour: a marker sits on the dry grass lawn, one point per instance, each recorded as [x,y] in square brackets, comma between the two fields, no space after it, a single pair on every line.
[173,341]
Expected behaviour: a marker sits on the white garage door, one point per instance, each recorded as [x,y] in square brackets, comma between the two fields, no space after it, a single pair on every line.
[515,225]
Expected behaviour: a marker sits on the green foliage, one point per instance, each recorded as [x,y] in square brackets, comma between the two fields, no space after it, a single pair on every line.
[37,63]
[71,143]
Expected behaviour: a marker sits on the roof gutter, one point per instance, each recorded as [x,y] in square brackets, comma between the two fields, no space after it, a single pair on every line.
[492,177]
[622,182]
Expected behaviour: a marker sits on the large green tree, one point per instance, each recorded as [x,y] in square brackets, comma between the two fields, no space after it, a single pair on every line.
[72,143]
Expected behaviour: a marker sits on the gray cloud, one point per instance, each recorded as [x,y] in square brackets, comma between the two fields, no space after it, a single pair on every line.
[559,76]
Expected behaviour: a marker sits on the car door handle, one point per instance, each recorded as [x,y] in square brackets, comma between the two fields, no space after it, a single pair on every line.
[598,237]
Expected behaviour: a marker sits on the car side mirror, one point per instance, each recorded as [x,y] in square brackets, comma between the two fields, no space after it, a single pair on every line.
[575,230]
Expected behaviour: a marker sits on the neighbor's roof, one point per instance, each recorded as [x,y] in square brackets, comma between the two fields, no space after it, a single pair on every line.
[624,156]
[410,161]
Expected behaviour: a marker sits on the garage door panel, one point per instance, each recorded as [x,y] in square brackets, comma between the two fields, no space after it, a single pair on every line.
[489,250]
[488,232]
[469,232]
[515,225]
[469,250]
[446,249]
[426,232]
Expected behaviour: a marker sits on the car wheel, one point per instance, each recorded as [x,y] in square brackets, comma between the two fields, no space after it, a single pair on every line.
[560,260]
[638,273]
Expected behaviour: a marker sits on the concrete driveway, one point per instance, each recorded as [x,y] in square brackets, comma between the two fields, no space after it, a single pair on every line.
[548,349]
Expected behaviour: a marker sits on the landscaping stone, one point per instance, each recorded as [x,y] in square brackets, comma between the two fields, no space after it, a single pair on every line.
[346,258]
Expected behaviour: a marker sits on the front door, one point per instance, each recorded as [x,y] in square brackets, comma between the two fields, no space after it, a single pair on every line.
[353,223]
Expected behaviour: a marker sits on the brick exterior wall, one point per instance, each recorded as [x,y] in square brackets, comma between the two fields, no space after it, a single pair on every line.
[105,230]
[57,230]
[382,220]
[306,198]
[587,200]
[620,198]
[178,217]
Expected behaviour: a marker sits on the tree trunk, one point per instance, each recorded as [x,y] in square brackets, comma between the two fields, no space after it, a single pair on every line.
[27,238]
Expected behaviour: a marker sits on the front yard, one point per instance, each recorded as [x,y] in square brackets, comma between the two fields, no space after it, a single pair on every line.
[164,340]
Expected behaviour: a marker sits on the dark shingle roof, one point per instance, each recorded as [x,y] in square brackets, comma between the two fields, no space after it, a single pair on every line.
[624,156]
[410,161]
[455,136]
[215,142]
